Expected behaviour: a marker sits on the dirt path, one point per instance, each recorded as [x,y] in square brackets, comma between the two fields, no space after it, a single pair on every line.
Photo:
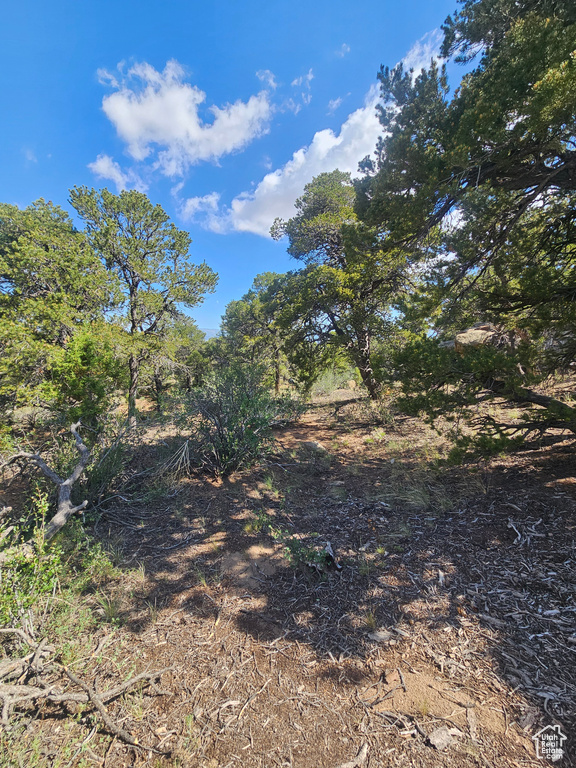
[444,634]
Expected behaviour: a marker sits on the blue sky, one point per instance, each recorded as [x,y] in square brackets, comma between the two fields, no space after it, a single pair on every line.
[220,111]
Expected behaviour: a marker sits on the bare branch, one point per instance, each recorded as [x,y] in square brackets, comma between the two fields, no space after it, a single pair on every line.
[65,508]
[13,694]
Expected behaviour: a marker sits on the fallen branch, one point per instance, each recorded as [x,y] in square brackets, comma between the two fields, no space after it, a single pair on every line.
[98,703]
[65,508]
[359,760]
[38,662]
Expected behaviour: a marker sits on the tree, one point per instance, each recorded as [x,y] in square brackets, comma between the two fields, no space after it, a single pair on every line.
[478,187]
[54,292]
[343,296]
[179,358]
[148,256]
[509,125]
[250,327]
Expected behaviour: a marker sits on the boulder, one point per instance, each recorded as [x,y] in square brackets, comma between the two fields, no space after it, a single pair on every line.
[483,335]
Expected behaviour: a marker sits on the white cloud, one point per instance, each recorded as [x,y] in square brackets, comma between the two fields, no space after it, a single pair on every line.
[275,195]
[105,77]
[304,80]
[29,155]
[343,50]
[105,167]
[423,51]
[193,206]
[290,105]
[268,78]
[157,115]
[333,105]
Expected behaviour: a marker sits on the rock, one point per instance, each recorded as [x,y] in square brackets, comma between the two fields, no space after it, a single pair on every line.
[478,336]
[442,737]
[314,445]
[381,636]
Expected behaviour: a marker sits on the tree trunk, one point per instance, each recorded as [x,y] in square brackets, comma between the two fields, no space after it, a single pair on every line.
[361,354]
[564,413]
[65,508]
[368,379]
[158,389]
[134,366]
[277,373]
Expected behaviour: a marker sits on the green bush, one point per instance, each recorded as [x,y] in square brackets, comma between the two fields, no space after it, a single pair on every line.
[71,562]
[235,418]
[25,579]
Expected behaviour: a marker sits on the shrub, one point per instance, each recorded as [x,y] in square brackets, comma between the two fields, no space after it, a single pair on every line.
[71,562]
[24,579]
[236,415]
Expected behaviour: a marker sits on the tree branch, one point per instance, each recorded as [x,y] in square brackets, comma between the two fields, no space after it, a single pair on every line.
[65,508]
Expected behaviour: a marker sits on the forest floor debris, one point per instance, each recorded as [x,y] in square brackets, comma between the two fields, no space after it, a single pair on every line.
[447,638]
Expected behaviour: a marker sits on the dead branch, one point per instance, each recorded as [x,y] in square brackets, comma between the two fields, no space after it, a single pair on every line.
[566,415]
[39,664]
[65,508]
[97,701]
[359,760]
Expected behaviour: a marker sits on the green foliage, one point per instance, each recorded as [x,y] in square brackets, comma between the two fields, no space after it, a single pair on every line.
[108,463]
[148,256]
[70,564]
[436,379]
[315,233]
[261,523]
[235,416]
[460,385]
[335,377]
[53,295]
[250,329]
[343,296]
[476,186]
[84,374]
[25,580]
[295,551]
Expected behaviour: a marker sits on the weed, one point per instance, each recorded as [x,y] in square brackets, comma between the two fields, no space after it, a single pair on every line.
[190,737]
[261,522]
[176,466]
[139,573]
[28,581]
[152,610]
[295,551]
[364,567]
[370,620]
[236,414]
[377,436]
[110,609]
[201,577]
[424,708]
[269,482]
[398,446]
[156,491]
[375,412]
[134,703]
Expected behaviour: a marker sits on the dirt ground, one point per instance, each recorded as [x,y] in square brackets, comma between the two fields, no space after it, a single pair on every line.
[442,633]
